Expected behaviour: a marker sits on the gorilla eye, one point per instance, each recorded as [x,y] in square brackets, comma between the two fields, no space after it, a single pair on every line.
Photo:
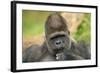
[57,36]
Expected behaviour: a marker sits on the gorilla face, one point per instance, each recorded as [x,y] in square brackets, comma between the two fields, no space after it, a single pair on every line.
[59,42]
[57,35]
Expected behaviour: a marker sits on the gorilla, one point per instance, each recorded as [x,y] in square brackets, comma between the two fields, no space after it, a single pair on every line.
[58,46]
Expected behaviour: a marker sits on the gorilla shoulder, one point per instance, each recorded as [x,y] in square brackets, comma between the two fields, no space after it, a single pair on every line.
[33,53]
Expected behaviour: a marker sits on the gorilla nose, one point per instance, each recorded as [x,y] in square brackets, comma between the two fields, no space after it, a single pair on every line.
[58,43]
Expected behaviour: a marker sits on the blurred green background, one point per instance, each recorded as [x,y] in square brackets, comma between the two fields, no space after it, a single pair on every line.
[84,30]
[33,22]
[33,25]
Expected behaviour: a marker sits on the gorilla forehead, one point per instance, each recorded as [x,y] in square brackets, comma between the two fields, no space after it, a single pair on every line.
[55,22]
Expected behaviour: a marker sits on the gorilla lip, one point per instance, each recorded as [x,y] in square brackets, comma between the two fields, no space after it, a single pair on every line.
[58,50]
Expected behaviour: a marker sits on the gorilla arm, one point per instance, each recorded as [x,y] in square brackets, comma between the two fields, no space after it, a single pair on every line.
[33,53]
[79,51]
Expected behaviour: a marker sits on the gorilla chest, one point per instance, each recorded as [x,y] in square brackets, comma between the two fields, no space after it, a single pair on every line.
[48,57]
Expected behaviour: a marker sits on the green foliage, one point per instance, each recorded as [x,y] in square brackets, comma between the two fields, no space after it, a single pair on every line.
[84,30]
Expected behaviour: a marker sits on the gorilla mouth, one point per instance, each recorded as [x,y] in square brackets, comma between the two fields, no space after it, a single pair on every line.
[58,50]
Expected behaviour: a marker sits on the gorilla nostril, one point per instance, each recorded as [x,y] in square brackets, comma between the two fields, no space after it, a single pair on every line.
[58,42]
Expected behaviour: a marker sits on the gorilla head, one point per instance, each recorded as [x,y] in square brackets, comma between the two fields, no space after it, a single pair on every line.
[57,34]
